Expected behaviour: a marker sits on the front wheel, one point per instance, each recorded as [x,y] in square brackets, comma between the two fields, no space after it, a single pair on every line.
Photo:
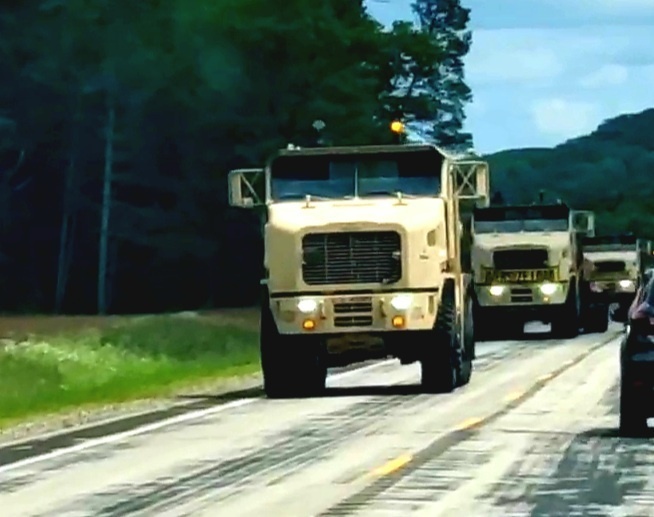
[292,366]
[445,364]
[597,319]
[566,323]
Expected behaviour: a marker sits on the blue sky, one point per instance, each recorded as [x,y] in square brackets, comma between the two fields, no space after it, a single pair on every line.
[544,71]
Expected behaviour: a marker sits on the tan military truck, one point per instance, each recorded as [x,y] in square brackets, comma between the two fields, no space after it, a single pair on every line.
[527,262]
[617,262]
[365,258]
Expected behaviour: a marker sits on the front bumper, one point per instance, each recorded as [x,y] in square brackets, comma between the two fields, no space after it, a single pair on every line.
[522,295]
[613,291]
[366,313]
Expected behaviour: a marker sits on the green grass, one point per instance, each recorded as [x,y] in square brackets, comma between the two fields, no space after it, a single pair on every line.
[140,358]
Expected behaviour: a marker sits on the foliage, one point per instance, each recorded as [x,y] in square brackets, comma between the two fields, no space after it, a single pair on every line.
[195,89]
[446,24]
[145,357]
[608,171]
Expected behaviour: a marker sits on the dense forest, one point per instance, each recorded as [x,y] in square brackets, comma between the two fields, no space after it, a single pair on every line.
[609,171]
[119,123]
[120,120]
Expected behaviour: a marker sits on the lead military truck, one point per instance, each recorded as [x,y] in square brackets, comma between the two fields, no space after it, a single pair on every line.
[366,257]
[528,265]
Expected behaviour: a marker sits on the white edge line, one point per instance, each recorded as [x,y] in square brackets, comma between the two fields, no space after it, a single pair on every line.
[148,428]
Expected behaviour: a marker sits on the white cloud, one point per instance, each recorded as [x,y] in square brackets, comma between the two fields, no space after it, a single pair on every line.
[607,75]
[564,118]
[529,55]
[620,5]
[515,64]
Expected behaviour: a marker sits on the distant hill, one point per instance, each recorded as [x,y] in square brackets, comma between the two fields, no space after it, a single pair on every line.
[610,171]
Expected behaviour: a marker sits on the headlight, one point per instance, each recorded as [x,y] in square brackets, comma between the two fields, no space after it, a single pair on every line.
[548,289]
[307,306]
[496,290]
[401,302]
[625,284]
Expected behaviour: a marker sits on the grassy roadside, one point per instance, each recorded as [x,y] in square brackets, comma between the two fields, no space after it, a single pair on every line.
[125,360]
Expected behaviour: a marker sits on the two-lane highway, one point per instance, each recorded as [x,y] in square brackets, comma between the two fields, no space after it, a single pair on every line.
[532,434]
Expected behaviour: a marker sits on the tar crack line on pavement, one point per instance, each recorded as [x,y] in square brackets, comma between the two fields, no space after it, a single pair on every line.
[468,429]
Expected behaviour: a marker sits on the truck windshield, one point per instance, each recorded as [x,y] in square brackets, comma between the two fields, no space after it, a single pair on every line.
[525,225]
[611,243]
[515,219]
[344,176]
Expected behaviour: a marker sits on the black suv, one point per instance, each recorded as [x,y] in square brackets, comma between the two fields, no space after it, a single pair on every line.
[637,362]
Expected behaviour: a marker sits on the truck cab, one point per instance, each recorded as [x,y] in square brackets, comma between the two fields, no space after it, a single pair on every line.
[364,260]
[528,265]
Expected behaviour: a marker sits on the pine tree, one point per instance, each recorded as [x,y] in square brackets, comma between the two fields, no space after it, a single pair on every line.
[446,22]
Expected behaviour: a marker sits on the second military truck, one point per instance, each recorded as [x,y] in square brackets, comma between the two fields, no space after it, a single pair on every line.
[528,266]
[364,259]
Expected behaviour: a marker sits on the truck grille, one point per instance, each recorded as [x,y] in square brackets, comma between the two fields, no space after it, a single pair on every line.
[352,258]
[522,295]
[353,307]
[610,266]
[520,259]
[353,321]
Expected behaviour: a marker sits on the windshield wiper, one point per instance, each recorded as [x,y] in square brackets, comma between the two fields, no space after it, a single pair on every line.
[303,197]
[393,193]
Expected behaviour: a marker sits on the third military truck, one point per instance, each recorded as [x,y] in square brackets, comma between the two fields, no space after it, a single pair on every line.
[616,264]
[528,266]
[365,258]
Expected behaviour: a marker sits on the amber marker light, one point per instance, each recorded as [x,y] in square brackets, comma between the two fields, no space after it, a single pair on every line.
[398,322]
[397,127]
[308,324]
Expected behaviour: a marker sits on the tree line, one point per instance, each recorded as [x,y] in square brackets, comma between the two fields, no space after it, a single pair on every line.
[120,120]
[608,171]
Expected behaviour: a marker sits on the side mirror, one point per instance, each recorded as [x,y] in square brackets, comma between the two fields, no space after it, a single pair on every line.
[471,180]
[247,188]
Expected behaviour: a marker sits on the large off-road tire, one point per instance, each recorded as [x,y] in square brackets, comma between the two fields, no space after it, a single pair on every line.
[292,366]
[443,358]
[597,319]
[565,325]
[482,327]
[633,421]
[469,351]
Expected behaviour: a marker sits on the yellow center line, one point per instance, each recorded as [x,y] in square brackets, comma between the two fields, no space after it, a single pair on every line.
[469,423]
[392,466]
[513,396]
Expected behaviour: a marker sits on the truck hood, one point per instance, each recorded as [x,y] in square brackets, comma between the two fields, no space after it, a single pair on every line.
[603,256]
[420,223]
[489,242]
[297,217]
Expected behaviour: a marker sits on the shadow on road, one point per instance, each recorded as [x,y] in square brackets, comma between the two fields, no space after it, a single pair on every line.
[361,391]
[256,392]
[527,336]
[614,432]
[350,391]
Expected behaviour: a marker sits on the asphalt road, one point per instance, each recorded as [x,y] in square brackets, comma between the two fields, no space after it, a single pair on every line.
[534,433]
